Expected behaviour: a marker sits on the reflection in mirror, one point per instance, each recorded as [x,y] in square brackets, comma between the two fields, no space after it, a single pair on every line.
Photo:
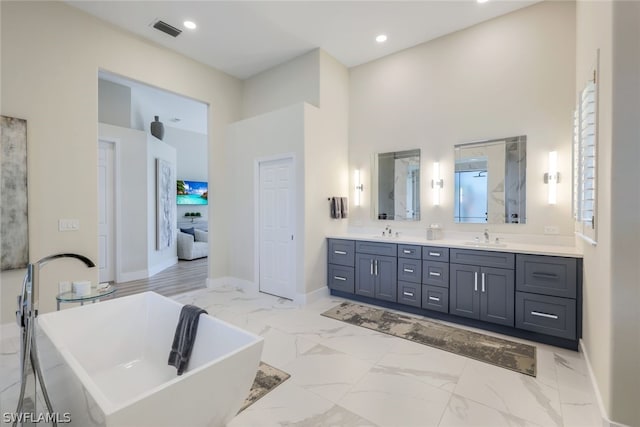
[490,181]
[396,183]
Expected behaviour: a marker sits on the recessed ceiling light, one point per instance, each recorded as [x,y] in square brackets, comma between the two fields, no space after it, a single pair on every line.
[482,1]
[381,38]
[189,25]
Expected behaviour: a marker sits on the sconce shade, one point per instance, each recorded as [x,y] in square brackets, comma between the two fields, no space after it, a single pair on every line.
[359,188]
[436,183]
[552,178]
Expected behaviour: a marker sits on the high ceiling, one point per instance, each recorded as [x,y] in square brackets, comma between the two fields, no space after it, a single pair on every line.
[243,38]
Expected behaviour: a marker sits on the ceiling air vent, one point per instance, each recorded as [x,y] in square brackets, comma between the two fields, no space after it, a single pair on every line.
[166,28]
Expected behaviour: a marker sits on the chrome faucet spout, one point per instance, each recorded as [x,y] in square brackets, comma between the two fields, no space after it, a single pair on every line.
[82,258]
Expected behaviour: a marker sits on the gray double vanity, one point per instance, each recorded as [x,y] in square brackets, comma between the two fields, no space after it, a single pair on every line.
[515,290]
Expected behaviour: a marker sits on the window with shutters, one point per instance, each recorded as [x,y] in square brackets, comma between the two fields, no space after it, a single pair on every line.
[585,137]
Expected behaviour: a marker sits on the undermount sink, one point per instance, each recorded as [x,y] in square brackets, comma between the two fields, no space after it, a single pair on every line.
[486,244]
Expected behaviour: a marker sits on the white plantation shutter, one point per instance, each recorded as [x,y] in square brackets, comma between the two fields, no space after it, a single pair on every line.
[584,162]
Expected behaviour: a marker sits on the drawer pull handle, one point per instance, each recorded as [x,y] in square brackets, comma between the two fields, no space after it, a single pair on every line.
[434,299]
[545,275]
[340,278]
[340,252]
[407,251]
[407,294]
[435,254]
[433,273]
[408,270]
[548,316]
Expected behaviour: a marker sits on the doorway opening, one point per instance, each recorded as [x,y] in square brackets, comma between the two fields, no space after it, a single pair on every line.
[144,230]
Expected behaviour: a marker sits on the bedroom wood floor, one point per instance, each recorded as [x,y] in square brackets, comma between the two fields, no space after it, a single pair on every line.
[183,277]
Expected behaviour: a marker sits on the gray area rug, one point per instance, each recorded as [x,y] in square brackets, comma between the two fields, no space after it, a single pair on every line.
[266,380]
[496,351]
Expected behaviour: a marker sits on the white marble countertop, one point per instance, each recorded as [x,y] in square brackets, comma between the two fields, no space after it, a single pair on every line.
[504,246]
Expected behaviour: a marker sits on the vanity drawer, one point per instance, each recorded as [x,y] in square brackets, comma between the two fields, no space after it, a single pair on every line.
[435,298]
[409,270]
[342,252]
[546,315]
[409,293]
[435,273]
[435,253]
[375,248]
[547,275]
[341,278]
[483,258]
[409,251]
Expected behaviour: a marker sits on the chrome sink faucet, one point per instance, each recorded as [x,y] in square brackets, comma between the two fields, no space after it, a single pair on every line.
[486,235]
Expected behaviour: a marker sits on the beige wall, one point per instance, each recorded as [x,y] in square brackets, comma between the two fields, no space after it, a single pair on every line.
[279,132]
[625,223]
[290,83]
[51,54]
[317,136]
[611,292]
[326,169]
[513,75]
[593,25]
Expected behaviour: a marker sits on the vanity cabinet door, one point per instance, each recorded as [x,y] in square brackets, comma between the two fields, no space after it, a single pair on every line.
[483,293]
[365,280]
[464,298]
[497,295]
[376,276]
[386,282]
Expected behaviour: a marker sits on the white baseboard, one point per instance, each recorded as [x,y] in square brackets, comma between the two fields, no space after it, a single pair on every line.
[133,275]
[9,330]
[312,296]
[606,422]
[155,269]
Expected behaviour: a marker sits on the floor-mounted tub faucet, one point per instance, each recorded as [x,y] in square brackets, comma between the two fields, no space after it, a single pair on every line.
[26,317]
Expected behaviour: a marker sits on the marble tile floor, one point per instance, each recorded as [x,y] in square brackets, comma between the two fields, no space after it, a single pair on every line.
[343,375]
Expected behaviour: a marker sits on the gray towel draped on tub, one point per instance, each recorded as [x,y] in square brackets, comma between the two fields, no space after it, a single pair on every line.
[339,207]
[185,337]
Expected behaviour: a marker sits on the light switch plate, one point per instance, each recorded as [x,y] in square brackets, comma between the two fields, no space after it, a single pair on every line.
[551,229]
[68,224]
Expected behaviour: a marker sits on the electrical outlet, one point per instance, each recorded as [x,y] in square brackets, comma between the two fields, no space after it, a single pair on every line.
[64,287]
[551,229]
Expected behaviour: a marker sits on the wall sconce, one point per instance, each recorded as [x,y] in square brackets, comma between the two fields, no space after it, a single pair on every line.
[359,188]
[552,178]
[436,183]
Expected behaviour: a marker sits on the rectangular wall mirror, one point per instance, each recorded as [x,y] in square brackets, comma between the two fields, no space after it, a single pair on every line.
[490,181]
[396,185]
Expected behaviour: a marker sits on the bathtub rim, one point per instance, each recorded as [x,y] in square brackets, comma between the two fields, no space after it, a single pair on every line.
[106,405]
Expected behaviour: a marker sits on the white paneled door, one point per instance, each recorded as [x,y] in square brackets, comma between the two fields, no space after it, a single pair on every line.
[106,208]
[276,222]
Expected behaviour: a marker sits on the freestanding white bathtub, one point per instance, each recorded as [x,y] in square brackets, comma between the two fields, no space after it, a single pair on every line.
[106,365]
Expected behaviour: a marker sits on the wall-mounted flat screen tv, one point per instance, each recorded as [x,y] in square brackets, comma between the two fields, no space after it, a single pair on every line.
[192,192]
